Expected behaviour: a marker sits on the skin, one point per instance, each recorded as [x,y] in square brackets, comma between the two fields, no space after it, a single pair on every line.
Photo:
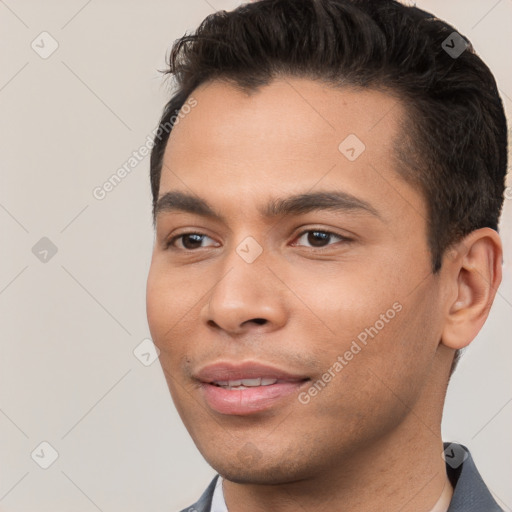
[371,438]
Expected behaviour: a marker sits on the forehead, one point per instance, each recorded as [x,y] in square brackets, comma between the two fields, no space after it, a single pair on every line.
[296,110]
[287,137]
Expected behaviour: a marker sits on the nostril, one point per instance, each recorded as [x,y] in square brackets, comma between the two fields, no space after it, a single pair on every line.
[259,321]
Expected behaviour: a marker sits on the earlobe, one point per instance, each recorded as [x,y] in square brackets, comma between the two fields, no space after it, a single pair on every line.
[475,272]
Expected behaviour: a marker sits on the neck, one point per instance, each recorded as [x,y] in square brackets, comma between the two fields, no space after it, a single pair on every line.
[402,472]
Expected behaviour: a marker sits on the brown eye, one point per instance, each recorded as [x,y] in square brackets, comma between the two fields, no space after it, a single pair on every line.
[317,238]
[189,241]
[192,241]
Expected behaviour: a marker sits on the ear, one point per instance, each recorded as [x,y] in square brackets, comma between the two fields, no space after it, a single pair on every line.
[474,274]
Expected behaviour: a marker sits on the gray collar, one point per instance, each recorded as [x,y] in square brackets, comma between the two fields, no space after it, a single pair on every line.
[470,492]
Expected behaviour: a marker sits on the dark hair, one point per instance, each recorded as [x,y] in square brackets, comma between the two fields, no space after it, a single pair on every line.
[453,144]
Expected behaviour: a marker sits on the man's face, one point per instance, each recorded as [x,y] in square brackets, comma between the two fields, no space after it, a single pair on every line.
[334,307]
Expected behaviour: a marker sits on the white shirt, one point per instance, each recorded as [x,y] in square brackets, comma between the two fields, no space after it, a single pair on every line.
[218,503]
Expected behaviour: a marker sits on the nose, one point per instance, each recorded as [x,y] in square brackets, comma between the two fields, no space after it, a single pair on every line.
[246,297]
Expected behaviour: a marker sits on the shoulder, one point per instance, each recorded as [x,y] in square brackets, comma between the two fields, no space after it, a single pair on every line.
[205,501]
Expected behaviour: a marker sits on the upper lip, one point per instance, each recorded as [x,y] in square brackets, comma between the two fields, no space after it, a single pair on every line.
[226,371]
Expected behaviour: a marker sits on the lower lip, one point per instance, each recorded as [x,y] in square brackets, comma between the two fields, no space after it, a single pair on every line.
[242,402]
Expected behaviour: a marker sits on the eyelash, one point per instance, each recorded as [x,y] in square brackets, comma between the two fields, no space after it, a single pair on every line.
[170,243]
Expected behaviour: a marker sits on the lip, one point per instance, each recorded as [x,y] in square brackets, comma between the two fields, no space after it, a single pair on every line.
[242,402]
[246,370]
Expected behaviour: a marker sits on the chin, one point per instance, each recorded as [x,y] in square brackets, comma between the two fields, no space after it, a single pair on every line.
[272,475]
[251,466]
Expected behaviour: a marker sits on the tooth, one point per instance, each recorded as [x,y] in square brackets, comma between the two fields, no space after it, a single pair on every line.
[251,382]
[245,383]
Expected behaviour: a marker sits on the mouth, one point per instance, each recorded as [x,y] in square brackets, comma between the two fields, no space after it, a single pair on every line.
[247,388]
[245,383]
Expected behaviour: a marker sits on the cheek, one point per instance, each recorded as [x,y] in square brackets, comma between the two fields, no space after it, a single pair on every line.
[165,308]
[346,299]
[377,321]
[173,302]
[163,304]
[155,303]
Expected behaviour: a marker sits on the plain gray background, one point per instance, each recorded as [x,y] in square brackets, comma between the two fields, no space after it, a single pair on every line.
[70,321]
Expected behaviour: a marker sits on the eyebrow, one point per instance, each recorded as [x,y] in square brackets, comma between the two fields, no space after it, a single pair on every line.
[336,201]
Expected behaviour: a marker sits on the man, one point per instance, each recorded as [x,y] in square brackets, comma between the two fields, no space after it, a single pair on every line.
[327,183]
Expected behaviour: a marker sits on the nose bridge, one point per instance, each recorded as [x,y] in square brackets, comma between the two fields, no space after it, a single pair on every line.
[245,291]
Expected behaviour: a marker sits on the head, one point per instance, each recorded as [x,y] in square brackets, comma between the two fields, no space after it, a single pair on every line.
[341,192]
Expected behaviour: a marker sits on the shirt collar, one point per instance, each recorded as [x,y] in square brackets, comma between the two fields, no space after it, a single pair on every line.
[218,502]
